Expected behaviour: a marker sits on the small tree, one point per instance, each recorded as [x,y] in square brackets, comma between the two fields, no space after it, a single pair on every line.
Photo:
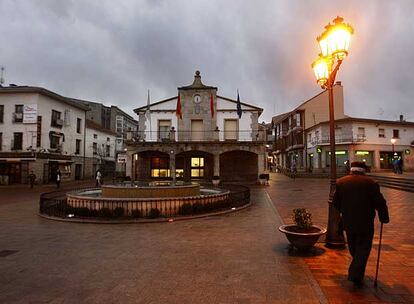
[302,218]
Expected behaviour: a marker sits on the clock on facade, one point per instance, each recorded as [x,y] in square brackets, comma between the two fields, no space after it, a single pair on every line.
[197,98]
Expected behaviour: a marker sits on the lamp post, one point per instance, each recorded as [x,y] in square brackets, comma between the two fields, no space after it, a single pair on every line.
[334,45]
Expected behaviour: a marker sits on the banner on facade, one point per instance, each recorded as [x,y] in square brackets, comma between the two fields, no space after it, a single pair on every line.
[30,113]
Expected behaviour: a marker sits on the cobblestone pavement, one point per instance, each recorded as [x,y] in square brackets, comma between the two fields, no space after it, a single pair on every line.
[237,258]
[329,267]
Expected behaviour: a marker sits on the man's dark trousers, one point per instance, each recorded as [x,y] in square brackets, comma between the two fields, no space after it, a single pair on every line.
[359,245]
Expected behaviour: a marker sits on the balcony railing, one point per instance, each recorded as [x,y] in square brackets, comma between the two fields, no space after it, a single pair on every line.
[338,139]
[198,136]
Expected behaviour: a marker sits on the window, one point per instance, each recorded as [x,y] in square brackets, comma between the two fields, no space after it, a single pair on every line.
[78,125]
[119,124]
[230,129]
[1,113]
[297,119]
[95,136]
[1,141]
[108,139]
[56,121]
[78,145]
[381,133]
[18,113]
[54,141]
[317,135]
[95,148]
[17,141]
[160,167]
[197,167]
[309,137]
[164,127]
[197,130]
[396,133]
[108,151]
[361,132]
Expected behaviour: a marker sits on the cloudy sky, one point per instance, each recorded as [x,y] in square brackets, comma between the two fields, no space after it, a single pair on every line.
[113,51]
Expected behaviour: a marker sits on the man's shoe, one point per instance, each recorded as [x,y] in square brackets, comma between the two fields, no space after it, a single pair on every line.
[358,283]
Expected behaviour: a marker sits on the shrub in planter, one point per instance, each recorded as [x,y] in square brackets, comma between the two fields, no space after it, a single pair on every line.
[198,208]
[185,209]
[82,211]
[136,213]
[119,211]
[303,234]
[105,212]
[216,180]
[154,213]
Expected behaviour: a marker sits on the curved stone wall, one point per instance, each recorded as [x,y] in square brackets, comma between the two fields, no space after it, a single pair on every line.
[157,191]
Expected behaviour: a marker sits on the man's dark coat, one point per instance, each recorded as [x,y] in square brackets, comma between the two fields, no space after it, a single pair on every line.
[357,197]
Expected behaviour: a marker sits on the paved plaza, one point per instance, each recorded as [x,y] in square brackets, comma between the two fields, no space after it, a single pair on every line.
[236,258]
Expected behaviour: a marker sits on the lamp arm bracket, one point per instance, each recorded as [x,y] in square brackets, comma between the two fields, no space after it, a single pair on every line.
[332,76]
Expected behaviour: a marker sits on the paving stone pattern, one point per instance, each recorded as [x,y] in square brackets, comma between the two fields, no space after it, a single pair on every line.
[396,275]
[237,258]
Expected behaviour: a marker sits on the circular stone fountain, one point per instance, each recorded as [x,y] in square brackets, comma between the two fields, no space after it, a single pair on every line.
[147,200]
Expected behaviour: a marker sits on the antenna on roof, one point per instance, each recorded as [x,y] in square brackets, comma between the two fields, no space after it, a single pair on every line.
[1,76]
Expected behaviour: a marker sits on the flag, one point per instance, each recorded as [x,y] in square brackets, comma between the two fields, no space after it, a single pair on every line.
[239,109]
[148,114]
[178,112]
[211,105]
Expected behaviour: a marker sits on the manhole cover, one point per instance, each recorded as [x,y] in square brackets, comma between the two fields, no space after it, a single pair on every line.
[4,253]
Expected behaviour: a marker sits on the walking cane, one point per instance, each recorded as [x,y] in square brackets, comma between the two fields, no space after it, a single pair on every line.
[378,258]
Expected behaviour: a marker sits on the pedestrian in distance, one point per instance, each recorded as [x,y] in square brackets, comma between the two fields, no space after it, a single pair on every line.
[348,167]
[32,179]
[58,178]
[357,197]
[98,178]
[293,170]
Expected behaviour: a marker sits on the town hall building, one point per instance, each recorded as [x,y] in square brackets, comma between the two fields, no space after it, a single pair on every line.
[195,135]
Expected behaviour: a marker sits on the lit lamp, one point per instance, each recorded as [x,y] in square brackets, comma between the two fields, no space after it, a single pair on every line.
[334,44]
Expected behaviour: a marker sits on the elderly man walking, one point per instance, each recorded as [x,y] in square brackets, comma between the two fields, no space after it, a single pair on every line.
[357,197]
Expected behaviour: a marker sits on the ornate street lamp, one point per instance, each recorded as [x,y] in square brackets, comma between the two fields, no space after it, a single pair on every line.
[334,45]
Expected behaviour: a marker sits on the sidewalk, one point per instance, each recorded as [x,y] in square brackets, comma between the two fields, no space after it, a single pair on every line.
[396,275]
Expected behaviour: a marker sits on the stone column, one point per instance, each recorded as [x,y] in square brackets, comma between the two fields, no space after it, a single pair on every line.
[216,164]
[172,165]
[128,164]
[377,162]
[351,153]
[260,163]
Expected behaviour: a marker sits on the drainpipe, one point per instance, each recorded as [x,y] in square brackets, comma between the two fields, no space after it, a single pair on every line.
[84,146]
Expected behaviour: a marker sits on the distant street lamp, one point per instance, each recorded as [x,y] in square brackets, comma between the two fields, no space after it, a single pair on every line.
[334,45]
[393,141]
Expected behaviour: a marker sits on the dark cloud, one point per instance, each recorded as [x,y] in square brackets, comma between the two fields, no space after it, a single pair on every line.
[114,51]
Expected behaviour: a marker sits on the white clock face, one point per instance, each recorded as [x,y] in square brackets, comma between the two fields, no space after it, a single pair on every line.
[197,98]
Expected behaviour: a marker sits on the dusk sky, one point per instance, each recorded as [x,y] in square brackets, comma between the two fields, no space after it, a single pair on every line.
[113,51]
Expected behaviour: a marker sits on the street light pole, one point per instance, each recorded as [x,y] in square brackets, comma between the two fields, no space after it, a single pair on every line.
[334,44]
[334,236]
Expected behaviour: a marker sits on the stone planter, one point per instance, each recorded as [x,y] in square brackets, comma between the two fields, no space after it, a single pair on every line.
[302,240]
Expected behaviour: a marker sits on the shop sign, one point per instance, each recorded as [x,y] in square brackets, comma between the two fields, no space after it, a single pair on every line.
[361,152]
[319,150]
[30,113]
[122,158]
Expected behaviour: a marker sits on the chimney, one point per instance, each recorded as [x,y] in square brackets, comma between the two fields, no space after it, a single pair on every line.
[338,83]
[401,118]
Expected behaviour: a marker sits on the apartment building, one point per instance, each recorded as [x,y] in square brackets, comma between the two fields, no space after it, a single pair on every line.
[302,136]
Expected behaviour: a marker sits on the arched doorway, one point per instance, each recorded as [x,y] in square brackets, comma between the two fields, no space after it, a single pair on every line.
[151,165]
[238,165]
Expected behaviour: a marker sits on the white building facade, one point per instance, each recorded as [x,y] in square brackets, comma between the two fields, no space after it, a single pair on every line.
[40,131]
[197,134]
